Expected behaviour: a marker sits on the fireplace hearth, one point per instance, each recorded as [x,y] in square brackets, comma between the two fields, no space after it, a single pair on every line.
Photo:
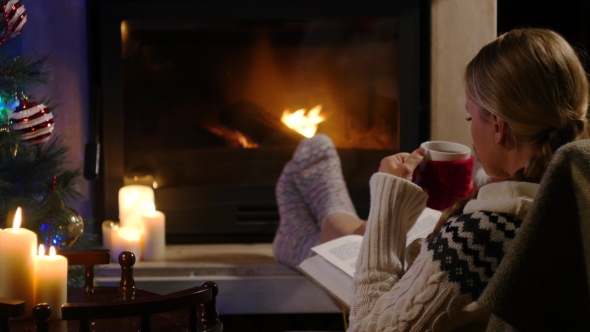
[207,100]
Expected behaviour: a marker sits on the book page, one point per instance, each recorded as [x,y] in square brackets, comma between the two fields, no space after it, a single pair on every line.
[342,252]
[335,281]
[424,225]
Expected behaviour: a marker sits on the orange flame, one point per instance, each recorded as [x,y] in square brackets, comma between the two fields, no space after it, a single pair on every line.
[235,136]
[17,219]
[52,252]
[305,123]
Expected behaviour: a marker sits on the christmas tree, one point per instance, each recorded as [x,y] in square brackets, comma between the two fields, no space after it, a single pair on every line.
[32,158]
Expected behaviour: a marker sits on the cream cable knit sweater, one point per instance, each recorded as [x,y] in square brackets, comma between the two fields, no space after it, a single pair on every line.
[439,290]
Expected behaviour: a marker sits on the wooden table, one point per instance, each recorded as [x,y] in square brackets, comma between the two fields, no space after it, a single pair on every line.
[168,322]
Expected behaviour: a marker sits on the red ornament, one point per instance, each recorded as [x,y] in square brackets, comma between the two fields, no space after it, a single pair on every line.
[33,121]
[14,16]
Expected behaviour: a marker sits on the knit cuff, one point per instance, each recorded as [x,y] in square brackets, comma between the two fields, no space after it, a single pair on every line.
[395,206]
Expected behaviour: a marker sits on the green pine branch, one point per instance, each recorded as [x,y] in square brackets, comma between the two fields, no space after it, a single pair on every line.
[20,72]
[36,180]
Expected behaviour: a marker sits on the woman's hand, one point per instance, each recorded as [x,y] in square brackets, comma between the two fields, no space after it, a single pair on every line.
[402,164]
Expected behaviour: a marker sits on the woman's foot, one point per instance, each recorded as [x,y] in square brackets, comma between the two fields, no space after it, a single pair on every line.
[318,177]
[310,189]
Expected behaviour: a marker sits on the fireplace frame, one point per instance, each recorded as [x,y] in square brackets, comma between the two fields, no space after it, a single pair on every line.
[106,86]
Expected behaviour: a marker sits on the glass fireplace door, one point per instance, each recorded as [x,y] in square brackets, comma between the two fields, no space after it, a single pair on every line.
[209,108]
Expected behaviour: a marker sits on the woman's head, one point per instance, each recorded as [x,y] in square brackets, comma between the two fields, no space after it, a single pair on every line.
[533,81]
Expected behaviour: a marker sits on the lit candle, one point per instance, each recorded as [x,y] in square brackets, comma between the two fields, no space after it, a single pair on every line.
[154,233]
[107,228]
[125,238]
[133,200]
[18,248]
[51,280]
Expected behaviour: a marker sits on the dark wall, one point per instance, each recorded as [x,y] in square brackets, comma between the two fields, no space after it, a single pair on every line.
[58,28]
[570,18]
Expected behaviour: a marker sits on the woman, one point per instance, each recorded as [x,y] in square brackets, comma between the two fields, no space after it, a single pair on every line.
[526,95]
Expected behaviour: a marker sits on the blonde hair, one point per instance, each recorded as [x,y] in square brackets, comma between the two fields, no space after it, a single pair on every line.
[534,81]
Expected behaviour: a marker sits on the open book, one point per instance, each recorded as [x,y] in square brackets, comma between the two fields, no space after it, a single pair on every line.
[334,265]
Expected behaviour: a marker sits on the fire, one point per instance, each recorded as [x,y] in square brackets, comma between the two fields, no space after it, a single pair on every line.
[305,123]
[245,142]
[234,136]
[17,219]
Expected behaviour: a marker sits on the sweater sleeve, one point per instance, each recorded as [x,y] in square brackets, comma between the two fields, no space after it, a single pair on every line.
[439,291]
[395,206]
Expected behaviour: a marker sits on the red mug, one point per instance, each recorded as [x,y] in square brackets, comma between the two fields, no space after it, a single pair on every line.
[445,173]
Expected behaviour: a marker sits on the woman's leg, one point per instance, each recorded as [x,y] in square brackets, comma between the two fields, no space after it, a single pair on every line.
[340,224]
[298,230]
[310,189]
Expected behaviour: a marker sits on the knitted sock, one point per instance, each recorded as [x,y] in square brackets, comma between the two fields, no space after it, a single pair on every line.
[298,231]
[318,177]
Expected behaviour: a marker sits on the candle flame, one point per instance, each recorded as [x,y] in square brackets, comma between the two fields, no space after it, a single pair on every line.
[305,123]
[41,250]
[17,219]
[52,252]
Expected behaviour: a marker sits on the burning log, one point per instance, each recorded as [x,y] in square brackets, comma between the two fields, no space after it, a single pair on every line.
[257,124]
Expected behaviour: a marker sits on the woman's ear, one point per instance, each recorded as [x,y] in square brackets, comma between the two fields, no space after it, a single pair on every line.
[500,127]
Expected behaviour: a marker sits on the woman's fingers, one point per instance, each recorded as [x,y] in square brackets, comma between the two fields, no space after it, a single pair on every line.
[402,164]
[415,158]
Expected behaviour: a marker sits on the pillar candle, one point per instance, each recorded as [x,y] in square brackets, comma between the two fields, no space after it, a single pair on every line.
[125,238]
[133,200]
[107,228]
[154,233]
[18,248]
[51,280]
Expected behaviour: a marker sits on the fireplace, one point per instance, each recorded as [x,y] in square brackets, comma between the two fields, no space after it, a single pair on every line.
[207,100]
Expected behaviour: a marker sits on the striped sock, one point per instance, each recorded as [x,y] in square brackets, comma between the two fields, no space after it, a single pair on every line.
[298,231]
[319,178]
[310,188]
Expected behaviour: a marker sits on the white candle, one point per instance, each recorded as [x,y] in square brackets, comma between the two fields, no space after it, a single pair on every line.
[133,200]
[107,228]
[154,233]
[51,281]
[125,238]
[18,248]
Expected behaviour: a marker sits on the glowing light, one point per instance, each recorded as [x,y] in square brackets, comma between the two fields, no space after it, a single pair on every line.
[151,208]
[7,106]
[305,123]
[52,252]
[129,233]
[17,220]
[124,31]
[246,143]
[133,196]
[234,135]
[41,250]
